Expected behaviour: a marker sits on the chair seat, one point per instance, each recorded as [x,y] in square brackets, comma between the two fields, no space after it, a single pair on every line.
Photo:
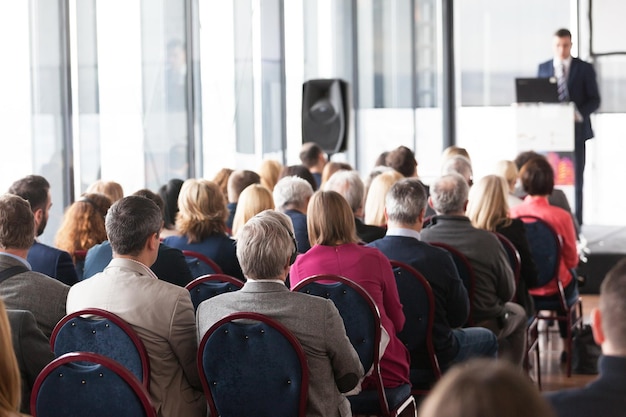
[366,402]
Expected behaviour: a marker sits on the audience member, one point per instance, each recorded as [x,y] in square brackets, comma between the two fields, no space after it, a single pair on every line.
[42,258]
[300,171]
[313,158]
[405,209]
[494,282]
[221,179]
[485,388]
[83,224]
[169,266]
[237,182]
[291,196]
[510,173]
[111,189]
[253,200]
[269,171]
[169,194]
[454,150]
[330,168]
[20,287]
[381,160]
[606,395]
[201,222]
[375,200]
[402,159]
[161,313]
[487,209]
[460,165]
[265,248]
[335,251]
[538,181]
[10,384]
[349,185]
[32,350]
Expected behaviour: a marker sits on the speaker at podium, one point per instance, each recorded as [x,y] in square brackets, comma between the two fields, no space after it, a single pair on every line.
[326,114]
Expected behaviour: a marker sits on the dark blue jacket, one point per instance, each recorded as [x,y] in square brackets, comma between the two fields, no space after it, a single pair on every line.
[52,262]
[299,226]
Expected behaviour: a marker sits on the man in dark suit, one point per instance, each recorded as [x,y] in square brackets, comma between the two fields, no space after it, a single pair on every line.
[265,251]
[405,206]
[49,261]
[576,80]
[605,396]
[351,187]
[291,196]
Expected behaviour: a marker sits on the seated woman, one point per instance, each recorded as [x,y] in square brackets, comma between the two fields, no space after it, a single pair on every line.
[331,227]
[508,170]
[269,171]
[375,200]
[169,194]
[488,210]
[253,199]
[201,221]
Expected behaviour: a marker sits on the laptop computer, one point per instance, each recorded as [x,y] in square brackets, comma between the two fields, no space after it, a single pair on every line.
[536,90]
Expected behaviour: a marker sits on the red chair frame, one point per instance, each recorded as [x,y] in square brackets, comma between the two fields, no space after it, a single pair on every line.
[210,262]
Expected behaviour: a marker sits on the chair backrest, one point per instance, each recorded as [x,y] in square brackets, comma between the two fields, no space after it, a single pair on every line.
[207,286]
[418,305]
[251,365]
[361,319]
[200,265]
[466,273]
[545,247]
[102,332]
[513,255]
[87,384]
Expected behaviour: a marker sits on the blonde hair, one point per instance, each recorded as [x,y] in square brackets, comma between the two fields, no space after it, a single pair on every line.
[202,210]
[269,171]
[10,385]
[454,150]
[111,189]
[507,170]
[254,199]
[330,220]
[375,200]
[331,167]
[485,388]
[221,179]
[487,207]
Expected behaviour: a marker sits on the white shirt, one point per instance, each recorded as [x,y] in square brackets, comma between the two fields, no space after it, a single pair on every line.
[398,231]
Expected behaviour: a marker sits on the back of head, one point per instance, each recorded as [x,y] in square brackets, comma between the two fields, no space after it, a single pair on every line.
[449,194]
[111,189]
[221,179]
[454,150]
[83,223]
[350,185]
[485,388]
[265,244]
[613,307]
[269,171]
[405,201]
[460,165]
[34,189]
[17,223]
[381,160]
[130,222]
[156,199]
[253,200]
[537,177]
[375,200]
[202,210]
[291,192]
[332,167]
[487,206]
[524,157]
[310,153]
[330,220]
[507,170]
[299,171]
[402,159]
[238,181]
[169,194]
[10,385]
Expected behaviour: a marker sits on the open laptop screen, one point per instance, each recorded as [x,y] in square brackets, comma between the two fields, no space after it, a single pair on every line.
[536,90]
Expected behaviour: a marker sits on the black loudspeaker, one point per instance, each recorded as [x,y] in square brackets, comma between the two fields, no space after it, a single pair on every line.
[326,114]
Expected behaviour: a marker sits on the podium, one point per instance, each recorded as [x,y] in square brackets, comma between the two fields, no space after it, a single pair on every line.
[548,128]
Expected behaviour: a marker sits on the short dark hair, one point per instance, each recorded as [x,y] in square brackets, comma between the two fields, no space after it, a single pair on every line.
[537,177]
[169,194]
[563,33]
[34,189]
[130,222]
[310,154]
[144,192]
[238,181]
[402,159]
[405,200]
[299,171]
[17,223]
[524,157]
[613,306]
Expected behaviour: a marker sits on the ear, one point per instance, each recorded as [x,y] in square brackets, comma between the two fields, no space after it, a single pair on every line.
[596,326]
[152,243]
[465,206]
[430,202]
[386,215]
[420,218]
[38,216]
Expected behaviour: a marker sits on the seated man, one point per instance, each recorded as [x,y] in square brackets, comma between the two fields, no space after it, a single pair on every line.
[161,313]
[20,287]
[291,196]
[314,159]
[237,182]
[494,281]
[405,206]
[606,396]
[264,250]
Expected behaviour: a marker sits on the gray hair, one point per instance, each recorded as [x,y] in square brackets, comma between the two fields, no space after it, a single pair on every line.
[130,222]
[291,191]
[449,194]
[405,201]
[460,165]
[349,185]
[265,244]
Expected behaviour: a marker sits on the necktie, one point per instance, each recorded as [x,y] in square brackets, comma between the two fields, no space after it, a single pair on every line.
[561,83]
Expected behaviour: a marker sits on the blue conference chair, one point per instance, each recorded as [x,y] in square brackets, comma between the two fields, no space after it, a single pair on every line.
[200,265]
[251,365]
[207,286]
